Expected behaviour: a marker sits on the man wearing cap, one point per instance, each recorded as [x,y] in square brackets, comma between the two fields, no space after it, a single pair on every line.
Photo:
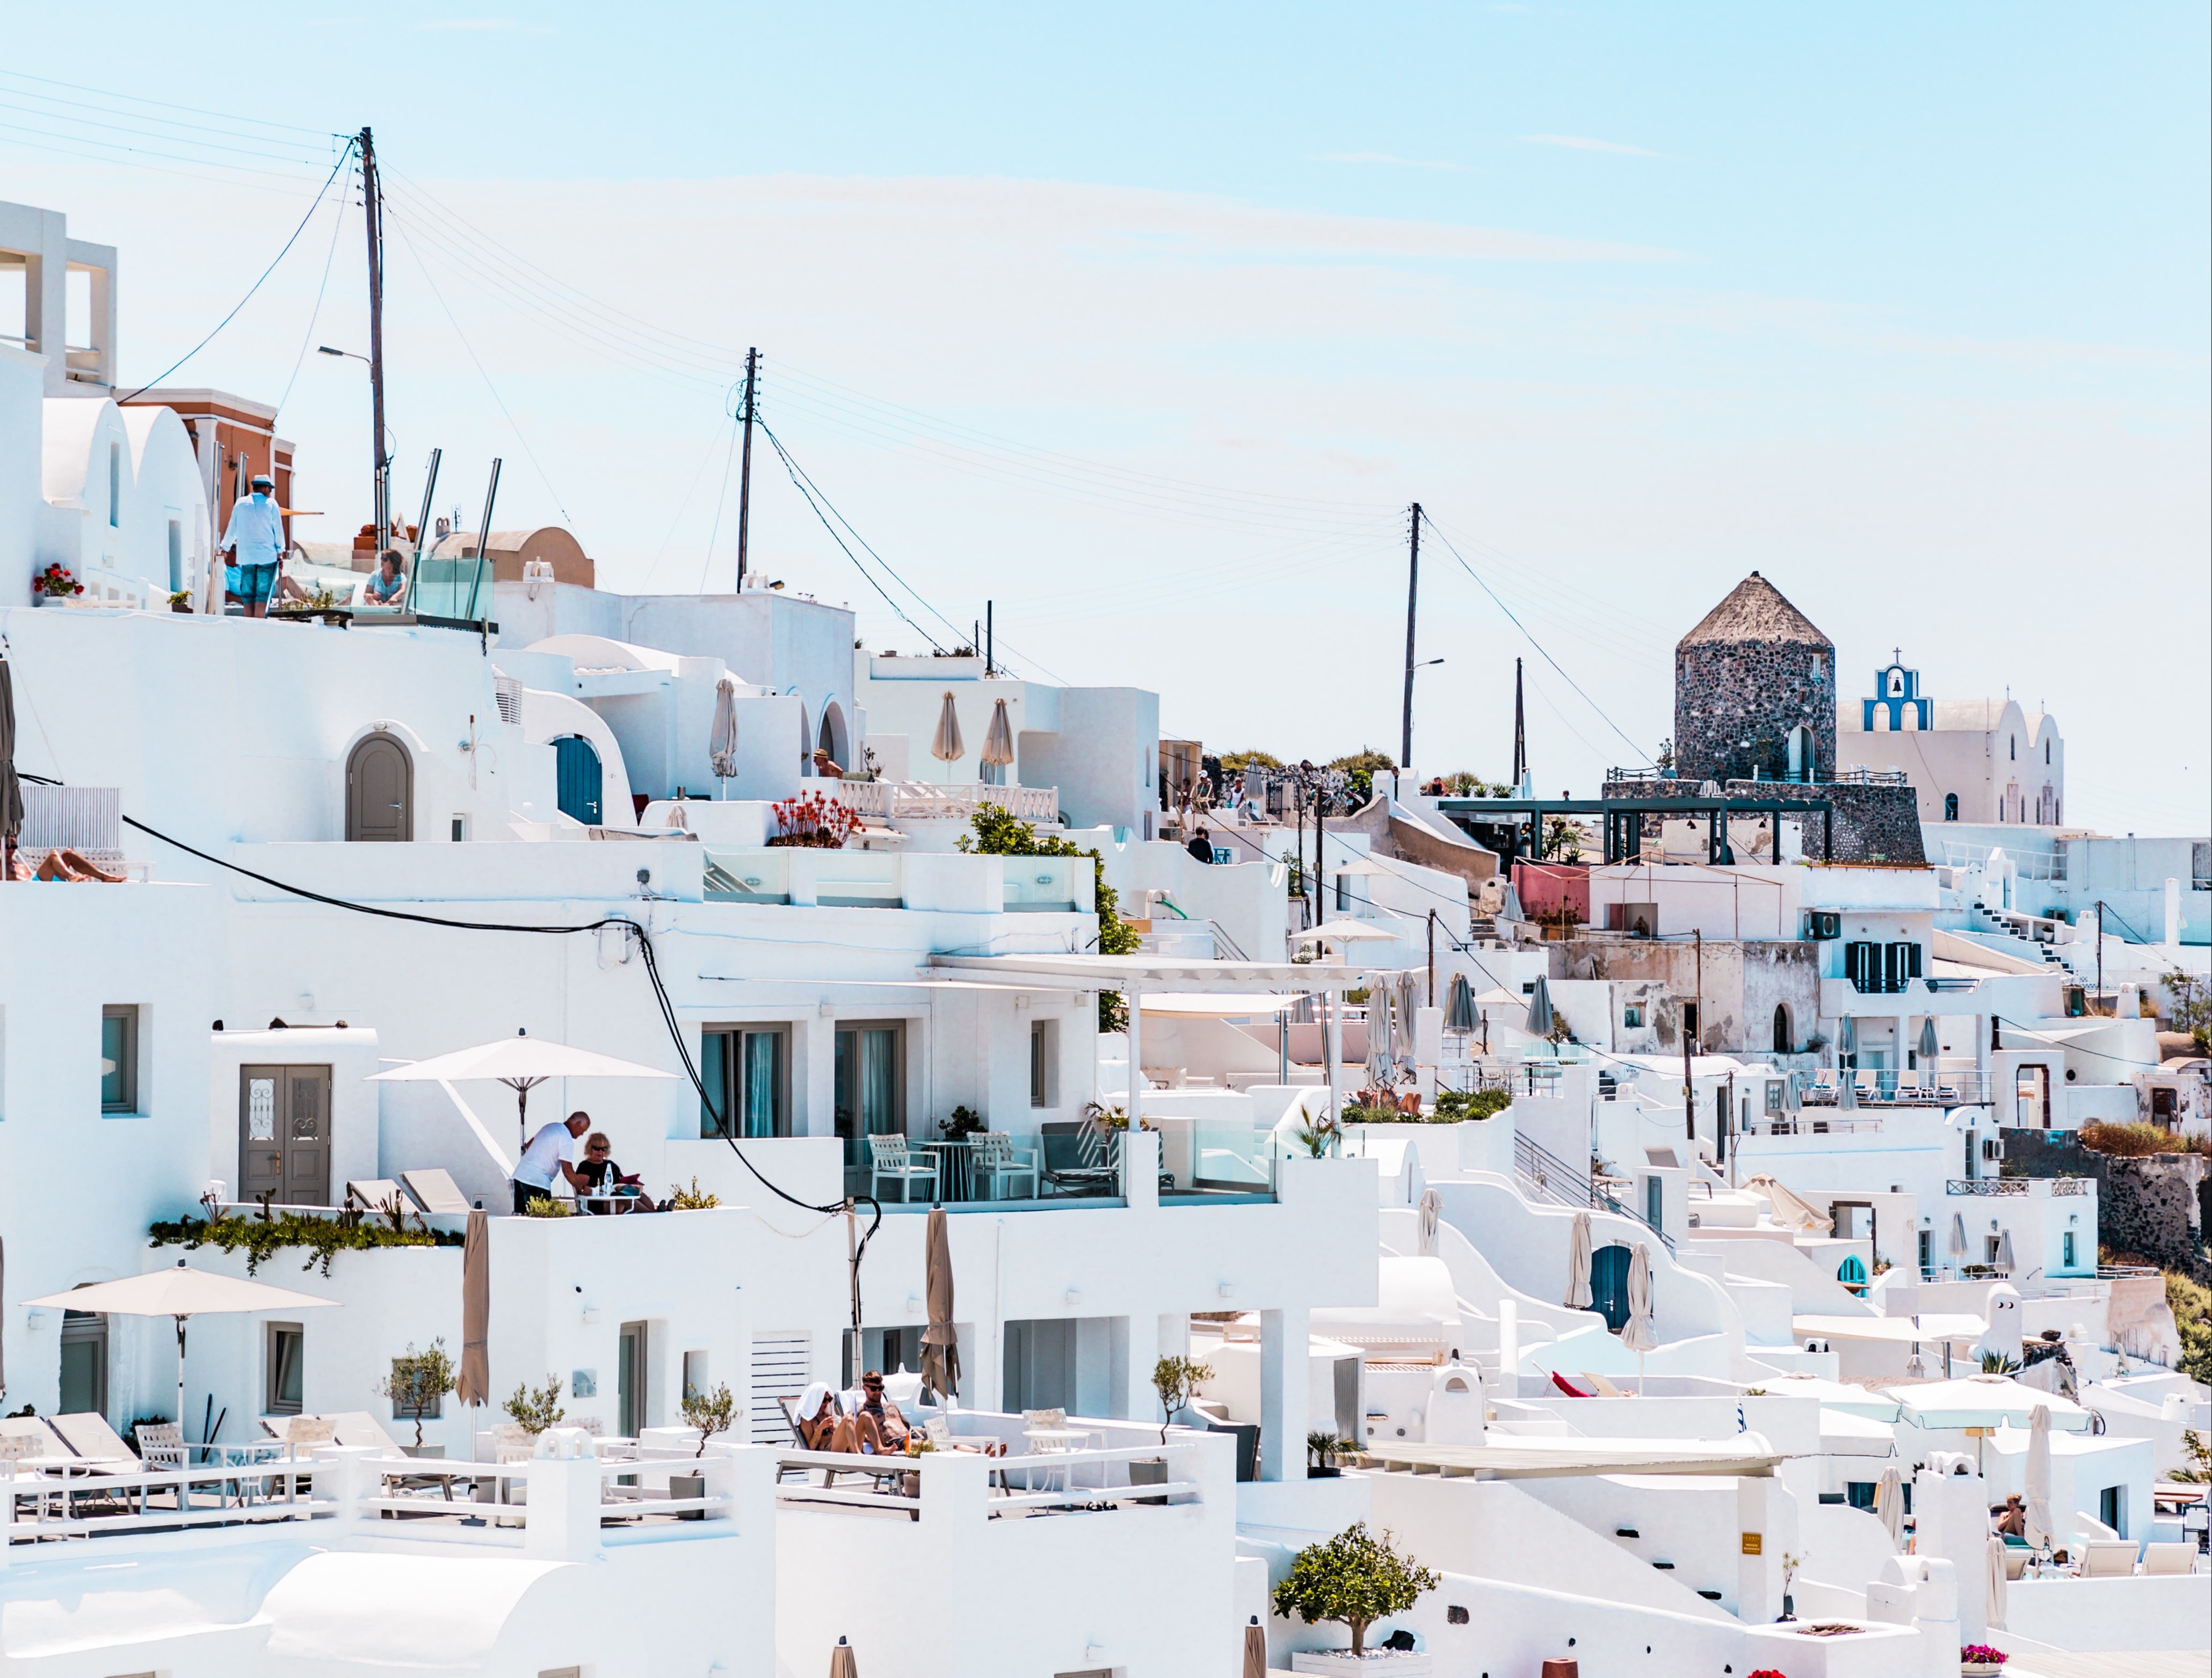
[255,542]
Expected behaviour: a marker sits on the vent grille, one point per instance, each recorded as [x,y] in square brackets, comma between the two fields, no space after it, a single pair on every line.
[508,691]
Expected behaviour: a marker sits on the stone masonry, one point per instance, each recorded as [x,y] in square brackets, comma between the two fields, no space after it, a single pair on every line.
[1752,672]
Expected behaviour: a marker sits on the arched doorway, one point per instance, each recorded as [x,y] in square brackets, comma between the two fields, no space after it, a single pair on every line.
[1801,753]
[1609,1285]
[380,792]
[576,787]
[1852,1274]
[831,737]
[1782,1042]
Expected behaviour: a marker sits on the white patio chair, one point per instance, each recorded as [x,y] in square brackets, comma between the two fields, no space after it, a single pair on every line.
[2102,1559]
[888,1156]
[2169,1559]
[161,1444]
[999,1161]
[435,1190]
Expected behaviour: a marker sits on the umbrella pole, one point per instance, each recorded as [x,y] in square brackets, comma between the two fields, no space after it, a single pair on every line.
[181,1378]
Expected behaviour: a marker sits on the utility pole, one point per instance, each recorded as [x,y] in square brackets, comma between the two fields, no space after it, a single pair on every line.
[990,640]
[1689,1036]
[1520,733]
[2100,955]
[745,468]
[1412,601]
[371,198]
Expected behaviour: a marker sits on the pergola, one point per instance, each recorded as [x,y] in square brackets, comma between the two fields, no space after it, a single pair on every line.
[1624,820]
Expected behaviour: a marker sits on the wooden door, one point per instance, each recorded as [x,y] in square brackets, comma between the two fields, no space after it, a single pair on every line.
[284,1134]
[380,792]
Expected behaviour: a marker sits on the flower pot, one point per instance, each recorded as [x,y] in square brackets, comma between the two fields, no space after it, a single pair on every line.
[689,1485]
[1980,1669]
[424,1452]
[185,607]
[43,598]
[1153,1473]
[1330,1472]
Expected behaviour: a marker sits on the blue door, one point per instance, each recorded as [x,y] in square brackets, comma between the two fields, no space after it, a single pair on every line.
[1609,1285]
[577,781]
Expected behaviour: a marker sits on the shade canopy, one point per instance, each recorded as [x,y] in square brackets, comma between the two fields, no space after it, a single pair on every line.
[1791,1211]
[474,1385]
[947,746]
[1864,1402]
[998,737]
[1844,1434]
[1345,932]
[518,1063]
[1540,1019]
[1986,1400]
[2039,1476]
[181,1292]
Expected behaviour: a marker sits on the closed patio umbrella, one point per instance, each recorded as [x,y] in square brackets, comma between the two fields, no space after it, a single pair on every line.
[1255,1650]
[1847,1091]
[1459,1006]
[1639,1334]
[2039,1476]
[474,1384]
[1791,1100]
[1540,1019]
[182,1293]
[1997,1583]
[522,1062]
[1432,1208]
[1578,1265]
[940,1344]
[1380,1068]
[11,788]
[722,744]
[948,747]
[841,1661]
[1889,1505]
[1847,1040]
[2004,1251]
[1958,1237]
[1931,1049]
[998,737]
[1790,1210]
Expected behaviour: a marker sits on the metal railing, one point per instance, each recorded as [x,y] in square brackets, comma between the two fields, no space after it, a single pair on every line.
[1546,1177]
[1986,1186]
[2027,863]
[933,800]
[1863,777]
[1092,1480]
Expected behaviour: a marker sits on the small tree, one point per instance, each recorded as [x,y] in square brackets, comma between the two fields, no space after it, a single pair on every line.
[2191,1010]
[535,1409]
[418,1382]
[1354,1578]
[711,1413]
[1322,1446]
[1176,1380]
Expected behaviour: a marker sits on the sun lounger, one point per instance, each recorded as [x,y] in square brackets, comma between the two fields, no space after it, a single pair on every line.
[1569,1389]
[375,1195]
[435,1191]
[88,1434]
[2169,1559]
[1605,1388]
[2102,1559]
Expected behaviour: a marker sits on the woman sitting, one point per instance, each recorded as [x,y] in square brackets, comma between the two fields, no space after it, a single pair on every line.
[821,1427]
[387,584]
[598,1175]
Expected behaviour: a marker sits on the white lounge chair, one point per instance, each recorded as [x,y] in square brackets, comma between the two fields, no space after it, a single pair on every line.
[435,1191]
[376,1194]
[88,1434]
[2102,1559]
[2169,1559]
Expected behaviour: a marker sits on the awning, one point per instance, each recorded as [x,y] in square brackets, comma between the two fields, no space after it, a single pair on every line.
[1222,1005]
[1192,975]
[1932,1328]
[1986,1400]
[1547,1456]
[1843,1434]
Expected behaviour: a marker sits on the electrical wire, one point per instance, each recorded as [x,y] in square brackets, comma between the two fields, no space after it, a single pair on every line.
[337,227]
[791,466]
[255,287]
[162,104]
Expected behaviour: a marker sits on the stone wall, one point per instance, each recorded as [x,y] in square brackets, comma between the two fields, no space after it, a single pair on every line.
[1735,702]
[1872,824]
[1741,984]
[2150,1208]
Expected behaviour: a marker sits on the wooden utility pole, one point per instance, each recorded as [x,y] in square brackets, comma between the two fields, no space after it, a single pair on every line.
[1689,1036]
[1413,602]
[371,198]
[1520,733]
[745,467]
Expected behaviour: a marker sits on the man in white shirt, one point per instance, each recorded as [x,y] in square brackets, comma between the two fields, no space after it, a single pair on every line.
[255,540]
[547,1158]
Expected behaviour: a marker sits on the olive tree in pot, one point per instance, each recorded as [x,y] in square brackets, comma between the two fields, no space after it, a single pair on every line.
[711,1413]
[416,1387]
[1354,1578]
[1177,1379]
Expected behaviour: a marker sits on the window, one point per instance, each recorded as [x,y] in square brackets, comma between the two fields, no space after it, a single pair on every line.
[118,1059]
[1927,1252]
[695,1375]
[282,1364]
[84,1363]
[1044,1063]
[2012,749]
[1690,1021]
[114,485]
[1782,1038]
[870,1059]
[2113,1508]
[630,1393]
[1343,892]
[1852,1274]
[176,555]
[1950,806]
[2046,752]
[744,1069]
[1631,1016]
[1859,1493]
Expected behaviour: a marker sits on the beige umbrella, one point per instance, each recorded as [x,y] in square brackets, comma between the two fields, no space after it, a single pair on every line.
[1639,1334]
[940,1343]
[1578,1265]
[948,747]
[999,738]
[2039,1476]
[11,788]
[722,744]
[1432,1206]
[522,1062]
[2004,1251]
[841,1661]
[1255,1650]
[474,1386]
[1997,1583]
[1345,932]
[1889,1503]
[181,1293]
[1790,1211]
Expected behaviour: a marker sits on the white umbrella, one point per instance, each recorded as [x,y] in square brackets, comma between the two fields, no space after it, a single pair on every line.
[522,1062]
[722,744]
[999,738]
[2039,1476]
[1578,1265]
[948,747]
[1931,1049]
[1889,1505]
[1432,1207]
[180,1292]
[1997,1583]
[1958,1237]
[1345,932]
[1639,1334]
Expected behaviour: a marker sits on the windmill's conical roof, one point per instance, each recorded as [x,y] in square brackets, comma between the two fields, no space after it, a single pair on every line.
[1756,611]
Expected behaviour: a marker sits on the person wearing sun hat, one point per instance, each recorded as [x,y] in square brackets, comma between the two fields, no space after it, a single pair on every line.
[254,539]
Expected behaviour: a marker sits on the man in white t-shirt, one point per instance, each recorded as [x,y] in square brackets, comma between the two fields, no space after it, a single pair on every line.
[546,1159]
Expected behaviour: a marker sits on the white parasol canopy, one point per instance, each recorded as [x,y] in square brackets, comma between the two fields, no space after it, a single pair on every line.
[998,737]
[948,747]
[1345,932]
[1639,1334]
[2039,1476]
[1986,1400]
[179,1292]
[522,1062]
[722,744]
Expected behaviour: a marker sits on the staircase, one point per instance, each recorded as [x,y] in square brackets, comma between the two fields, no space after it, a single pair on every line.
[1986,924]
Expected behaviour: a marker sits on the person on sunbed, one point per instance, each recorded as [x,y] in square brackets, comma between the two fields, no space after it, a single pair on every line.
[820,1425]
[881,1426]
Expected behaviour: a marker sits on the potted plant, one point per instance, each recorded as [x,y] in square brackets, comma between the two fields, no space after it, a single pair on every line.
[1980,1660]
[1176,1380]
[55,586]
[1791,1563]
[1322,1446]
[416,1387]
[1355,1578]
[534,1409]
[711,1413]
[181,600]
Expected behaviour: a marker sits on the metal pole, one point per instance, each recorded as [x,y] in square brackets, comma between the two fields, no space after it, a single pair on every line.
[372,198]
[990,639]
[745,468]
[1520,734]
[483,555]
[423,528]
[1413,600]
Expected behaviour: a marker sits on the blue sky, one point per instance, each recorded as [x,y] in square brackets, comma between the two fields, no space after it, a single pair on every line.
[1907,308]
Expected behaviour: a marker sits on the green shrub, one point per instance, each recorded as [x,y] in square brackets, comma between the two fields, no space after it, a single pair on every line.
[1453,1105]
[323,1238]
[534,1409]
[1000,832]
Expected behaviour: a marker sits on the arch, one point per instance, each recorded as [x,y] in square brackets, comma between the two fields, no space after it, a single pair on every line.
[578,779]
[1609,1285]
[1802,754]
[1782,1040]
[380,787]
[805,735]
[833,736]
[1950,806]
[1852,1272]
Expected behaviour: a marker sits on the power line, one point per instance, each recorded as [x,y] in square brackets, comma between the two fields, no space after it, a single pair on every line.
[255,287]
[337,227]
[792,467]
[133,99]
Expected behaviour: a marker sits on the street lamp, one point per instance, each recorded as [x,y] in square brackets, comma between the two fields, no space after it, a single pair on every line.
[381,492]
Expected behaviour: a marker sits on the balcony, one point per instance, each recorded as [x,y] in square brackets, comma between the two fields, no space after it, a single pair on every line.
[947,881]
[942,801]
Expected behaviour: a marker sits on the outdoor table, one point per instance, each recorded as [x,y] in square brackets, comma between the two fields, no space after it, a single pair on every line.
[1056,1442]
[956,1168]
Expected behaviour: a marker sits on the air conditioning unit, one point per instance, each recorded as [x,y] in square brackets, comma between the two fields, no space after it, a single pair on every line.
[1824,923]
[1993,1147]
